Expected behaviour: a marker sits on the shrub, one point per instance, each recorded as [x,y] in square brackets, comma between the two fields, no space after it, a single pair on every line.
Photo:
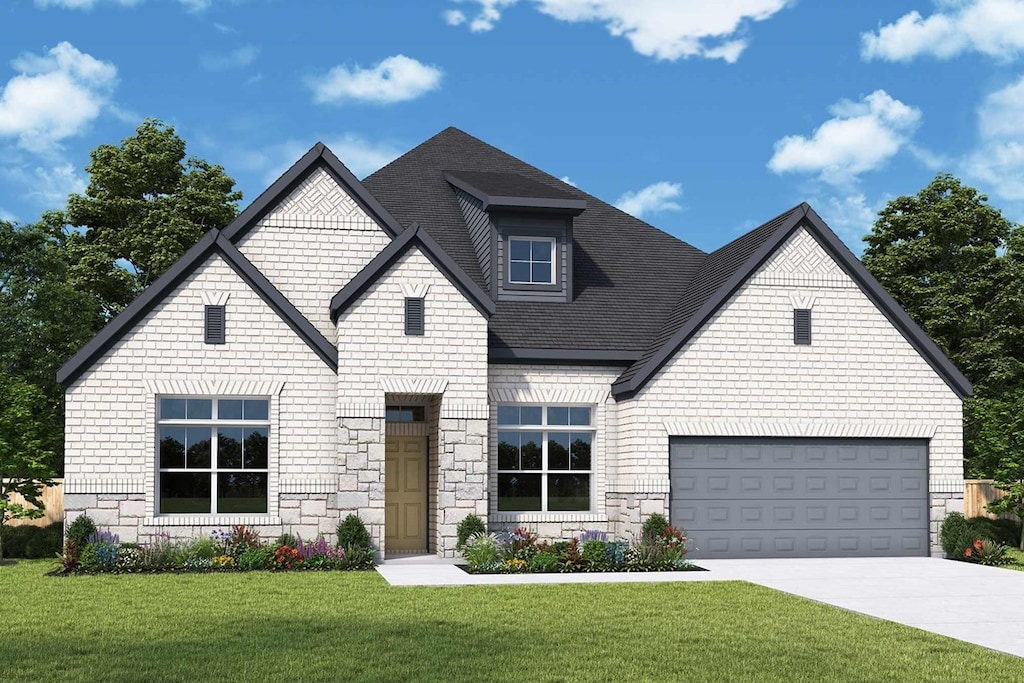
[953,534]
[352,533]
[238,540]
[595,554]
[80,530]
[287,557]
[522,544]
[161,553]
[1005,531]
[482,551]
[255,558]
[204,547]
[100,557]
[286,539]
[67,562]
[544,562]
[470,525]
[654,525]
[354,557]
[222,562]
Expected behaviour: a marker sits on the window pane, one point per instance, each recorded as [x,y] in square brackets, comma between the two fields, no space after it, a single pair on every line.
[256,448]
[579,416]
[530,415]
[558,415]
[519,492]
[229,409]
[541,250]
[508,451]
[199,409]
[558,451]
[198,447]
[568,492]
[519,250]
[229,447]
[182,492]
[579,451]
[256,409]
[239,492]
[172,447]
[508,415]
[172,409]
[530,453]
[520,272]
[541,273]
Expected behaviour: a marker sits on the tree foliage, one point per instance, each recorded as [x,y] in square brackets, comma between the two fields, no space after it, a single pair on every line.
[957,266]
[24,459]
[145,205]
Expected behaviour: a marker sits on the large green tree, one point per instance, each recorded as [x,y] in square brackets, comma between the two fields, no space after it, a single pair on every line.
[956,264]
[24,458]
[145,205]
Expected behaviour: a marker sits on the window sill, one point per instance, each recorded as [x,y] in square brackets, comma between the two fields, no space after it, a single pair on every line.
[211,520]
[541,517]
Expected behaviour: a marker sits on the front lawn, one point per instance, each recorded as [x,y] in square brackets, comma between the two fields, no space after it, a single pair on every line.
[314,626]
[1018,559]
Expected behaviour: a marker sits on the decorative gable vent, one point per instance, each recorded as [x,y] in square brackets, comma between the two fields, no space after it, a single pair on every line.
[215,323]
[414,314]
[801,326]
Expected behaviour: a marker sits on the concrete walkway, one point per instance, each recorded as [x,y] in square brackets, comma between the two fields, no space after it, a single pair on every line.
[980,605]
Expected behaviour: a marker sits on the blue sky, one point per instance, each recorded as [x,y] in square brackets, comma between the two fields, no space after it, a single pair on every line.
[703,118]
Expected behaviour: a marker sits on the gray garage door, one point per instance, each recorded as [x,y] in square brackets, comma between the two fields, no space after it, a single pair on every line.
[740,497]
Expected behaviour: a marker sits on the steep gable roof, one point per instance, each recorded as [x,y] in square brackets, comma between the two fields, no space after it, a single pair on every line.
[213,242]
[412,236]
[627,274]
[725,270]
[317,156]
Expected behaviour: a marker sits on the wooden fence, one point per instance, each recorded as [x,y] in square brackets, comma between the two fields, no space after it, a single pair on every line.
[977,494]
[53,499]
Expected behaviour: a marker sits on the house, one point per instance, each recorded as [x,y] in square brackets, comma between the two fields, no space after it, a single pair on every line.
[463,333]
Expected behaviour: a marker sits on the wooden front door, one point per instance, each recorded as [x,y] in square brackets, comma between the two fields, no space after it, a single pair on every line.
[405,493]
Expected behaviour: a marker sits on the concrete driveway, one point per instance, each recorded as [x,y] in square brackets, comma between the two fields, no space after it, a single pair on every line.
[980,605]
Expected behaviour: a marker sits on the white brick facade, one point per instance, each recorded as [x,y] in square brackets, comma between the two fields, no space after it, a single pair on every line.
[740,375]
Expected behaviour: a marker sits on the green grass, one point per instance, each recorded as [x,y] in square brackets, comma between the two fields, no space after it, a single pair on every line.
[354,627]
[1018,559]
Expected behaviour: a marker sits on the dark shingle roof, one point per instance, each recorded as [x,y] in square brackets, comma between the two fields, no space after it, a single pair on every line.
[509,185]
[627,278]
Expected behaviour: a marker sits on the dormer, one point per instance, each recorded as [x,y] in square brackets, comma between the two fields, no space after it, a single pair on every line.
[521,231]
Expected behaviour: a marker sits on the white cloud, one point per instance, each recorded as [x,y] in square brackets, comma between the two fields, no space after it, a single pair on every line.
[53,185]
[568,181]
[991,27]
[360,155]
[454,17]
[55,96]
[998,160]
[663,29]
[654,198]
[6,215]
[861,137]
[850,217]
[190,5]
[243,56]
[395,79]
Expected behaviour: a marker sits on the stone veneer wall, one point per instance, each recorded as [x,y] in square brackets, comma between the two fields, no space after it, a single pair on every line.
[742,375]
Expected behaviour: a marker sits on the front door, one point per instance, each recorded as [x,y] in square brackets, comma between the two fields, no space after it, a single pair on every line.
[405,494]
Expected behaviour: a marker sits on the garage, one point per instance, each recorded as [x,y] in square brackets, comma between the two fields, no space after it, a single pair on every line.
[800,497]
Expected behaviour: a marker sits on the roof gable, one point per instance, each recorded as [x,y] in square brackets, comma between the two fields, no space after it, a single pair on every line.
[213,242]
[319,156]
[412,236]
[726,269]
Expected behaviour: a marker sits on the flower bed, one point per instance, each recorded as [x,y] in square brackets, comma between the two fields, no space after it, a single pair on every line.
[91,551]
[660,547]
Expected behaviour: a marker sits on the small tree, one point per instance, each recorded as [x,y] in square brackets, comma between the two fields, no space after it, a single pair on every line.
[24,467]
[1012,502]
[1001,438]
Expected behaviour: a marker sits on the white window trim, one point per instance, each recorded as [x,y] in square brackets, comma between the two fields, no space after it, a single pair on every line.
[213,470]
[554,259]
[544,428]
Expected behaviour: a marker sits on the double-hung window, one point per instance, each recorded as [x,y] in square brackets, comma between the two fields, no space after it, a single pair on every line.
[544,458]
[212,455]
[531,260]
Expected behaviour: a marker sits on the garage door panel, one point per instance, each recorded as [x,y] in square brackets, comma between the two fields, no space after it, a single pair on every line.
[800,497]
[831,454]
[795,483]
[706,516]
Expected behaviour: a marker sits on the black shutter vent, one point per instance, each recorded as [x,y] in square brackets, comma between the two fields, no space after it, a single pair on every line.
[414,310]
[802,326]
[215,324]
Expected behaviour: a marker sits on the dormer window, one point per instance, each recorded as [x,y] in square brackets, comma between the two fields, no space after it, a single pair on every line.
[531,260]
